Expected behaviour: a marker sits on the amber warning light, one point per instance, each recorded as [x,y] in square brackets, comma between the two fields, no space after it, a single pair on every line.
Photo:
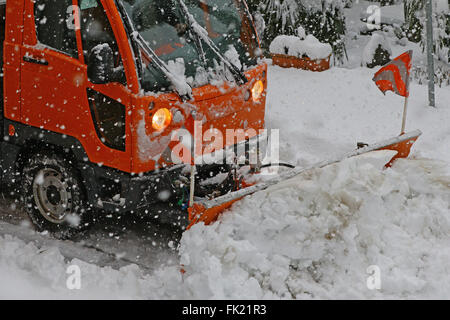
[257,90]
[161,119]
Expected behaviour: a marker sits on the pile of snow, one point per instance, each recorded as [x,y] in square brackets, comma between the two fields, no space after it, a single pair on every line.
[315,236]
[294,46]
[312,237]
[377,39]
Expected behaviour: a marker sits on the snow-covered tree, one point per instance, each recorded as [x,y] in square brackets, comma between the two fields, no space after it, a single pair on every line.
[441,29]
[322,18]
[377,51]
[415,22]
[415,17]
[413,26]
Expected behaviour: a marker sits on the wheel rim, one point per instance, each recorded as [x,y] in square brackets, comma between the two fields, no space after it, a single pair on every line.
[52,195]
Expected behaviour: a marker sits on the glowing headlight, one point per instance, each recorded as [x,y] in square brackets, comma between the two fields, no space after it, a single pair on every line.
[162,119]
[257,90]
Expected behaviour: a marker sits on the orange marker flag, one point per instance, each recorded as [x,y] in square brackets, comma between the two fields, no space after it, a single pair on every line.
[394,76]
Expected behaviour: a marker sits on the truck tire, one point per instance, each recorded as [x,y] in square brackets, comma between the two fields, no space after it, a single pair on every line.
[54,197]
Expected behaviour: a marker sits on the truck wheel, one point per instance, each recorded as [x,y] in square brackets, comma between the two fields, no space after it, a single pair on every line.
[54,197]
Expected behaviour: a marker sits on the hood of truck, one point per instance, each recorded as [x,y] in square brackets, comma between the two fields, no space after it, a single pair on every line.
[221,108]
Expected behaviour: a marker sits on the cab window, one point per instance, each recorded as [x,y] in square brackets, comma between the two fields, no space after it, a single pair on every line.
[96,30]
[55,25]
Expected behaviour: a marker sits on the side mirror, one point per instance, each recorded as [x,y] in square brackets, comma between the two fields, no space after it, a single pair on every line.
[100,67]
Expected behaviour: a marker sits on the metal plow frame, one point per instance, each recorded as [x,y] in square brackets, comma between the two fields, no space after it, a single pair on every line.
[207,211]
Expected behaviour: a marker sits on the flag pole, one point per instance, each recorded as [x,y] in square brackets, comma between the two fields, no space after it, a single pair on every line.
[405,108]
[430,58]
[193,169]
[405,113]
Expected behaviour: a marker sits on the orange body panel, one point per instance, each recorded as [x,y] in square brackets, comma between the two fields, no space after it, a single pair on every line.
[199,214]
[403,149]
[12,59]
[306,63]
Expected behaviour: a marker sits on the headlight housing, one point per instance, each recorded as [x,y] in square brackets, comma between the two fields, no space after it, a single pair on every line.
[257,90]
[161,119]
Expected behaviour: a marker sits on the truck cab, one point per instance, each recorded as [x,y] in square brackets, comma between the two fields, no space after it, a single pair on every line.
[94,90]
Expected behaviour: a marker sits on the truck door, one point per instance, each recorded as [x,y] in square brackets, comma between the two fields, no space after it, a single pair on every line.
[56,92]
[51,73]
[110,103]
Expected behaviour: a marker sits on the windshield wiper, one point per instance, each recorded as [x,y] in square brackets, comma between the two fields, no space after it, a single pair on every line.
[196,28]
[183,89]
[180,85]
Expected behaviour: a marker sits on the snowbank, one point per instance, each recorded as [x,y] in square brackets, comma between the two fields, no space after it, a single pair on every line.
[311,237]
[324,114]
[316,235]
[294,46]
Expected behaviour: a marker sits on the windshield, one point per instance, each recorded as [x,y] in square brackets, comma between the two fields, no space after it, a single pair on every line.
[167,31]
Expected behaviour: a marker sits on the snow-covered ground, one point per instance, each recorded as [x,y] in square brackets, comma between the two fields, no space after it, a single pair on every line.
[324,114]
[311,237]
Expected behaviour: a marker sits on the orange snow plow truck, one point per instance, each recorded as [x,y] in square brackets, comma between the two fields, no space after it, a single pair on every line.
[104,100]
[94,89]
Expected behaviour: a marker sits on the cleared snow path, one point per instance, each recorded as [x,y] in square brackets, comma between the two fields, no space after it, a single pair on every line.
[112,242]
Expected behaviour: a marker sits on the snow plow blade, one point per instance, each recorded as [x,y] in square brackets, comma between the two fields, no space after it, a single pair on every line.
[207,211]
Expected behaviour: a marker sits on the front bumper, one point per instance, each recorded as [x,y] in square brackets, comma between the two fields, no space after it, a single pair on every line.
[125,193]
